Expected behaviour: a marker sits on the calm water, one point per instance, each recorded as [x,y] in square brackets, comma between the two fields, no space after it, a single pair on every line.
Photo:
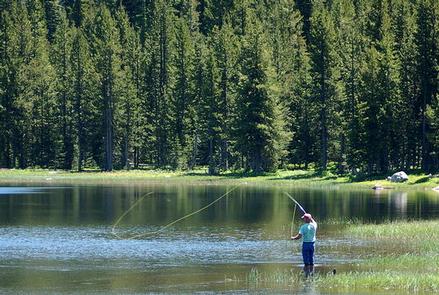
[59,239]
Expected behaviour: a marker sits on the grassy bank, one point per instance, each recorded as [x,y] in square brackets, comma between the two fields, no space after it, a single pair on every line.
[282,177]
[412,266]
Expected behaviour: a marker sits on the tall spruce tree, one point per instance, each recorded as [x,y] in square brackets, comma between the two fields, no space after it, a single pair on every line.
[128,91]
[104,39]
[260,125]
[60,51]
[225,49]
[324,76]
[404,25]
[7,89]
[182,99]
[427,69]
[36,93]
[158,44]
[85,94]
[350,48]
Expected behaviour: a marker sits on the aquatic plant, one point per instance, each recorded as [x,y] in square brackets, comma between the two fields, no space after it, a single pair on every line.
[381,280]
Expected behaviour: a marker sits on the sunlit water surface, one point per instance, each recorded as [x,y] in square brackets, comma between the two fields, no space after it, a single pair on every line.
[61,240]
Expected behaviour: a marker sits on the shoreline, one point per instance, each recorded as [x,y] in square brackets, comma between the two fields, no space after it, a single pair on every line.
[296,178]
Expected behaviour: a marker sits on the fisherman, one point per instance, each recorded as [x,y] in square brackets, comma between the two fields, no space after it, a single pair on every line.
[308,232]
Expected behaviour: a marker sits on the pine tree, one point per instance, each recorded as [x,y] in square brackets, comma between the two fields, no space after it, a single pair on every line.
[199,119]
[213,13]
[16,49]
[225,49]
[55,16]
[305,7]
[78,10]
[293,72]
[324,77]
[211,113]
[36,91]
[350,49]
[433,137]
[104,37]
[158,44]
[404,24]
[60,52]
[381,95]
[182,100]
[85,97]
[128,92]
[7,89]
[260,124]
[427,69]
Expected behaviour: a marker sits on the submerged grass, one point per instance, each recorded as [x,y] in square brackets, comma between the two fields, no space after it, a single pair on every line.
[276,277]
[282,177]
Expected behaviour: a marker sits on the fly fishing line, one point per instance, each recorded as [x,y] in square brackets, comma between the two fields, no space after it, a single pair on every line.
[182,218]
[113,229]
[136,236]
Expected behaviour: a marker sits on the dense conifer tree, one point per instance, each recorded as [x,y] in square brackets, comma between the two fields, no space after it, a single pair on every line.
[324,75]
[85,97]
[183,107]
[427,69]
[260,126]
[60,51]
[105,49]
[180,83]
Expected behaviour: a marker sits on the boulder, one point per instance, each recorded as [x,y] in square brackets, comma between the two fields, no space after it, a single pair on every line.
[400,176]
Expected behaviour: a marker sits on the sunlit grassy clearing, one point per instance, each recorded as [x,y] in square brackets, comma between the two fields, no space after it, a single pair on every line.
[282,177]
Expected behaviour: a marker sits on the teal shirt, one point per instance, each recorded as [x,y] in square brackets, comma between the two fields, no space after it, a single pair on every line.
[308,232]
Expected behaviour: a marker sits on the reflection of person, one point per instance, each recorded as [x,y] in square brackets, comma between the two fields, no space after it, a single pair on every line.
[308,232]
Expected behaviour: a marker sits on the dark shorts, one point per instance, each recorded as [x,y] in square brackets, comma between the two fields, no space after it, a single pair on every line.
[308,253]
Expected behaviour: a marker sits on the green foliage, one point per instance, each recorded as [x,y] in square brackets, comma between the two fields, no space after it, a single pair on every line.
[261,125]
[253,85]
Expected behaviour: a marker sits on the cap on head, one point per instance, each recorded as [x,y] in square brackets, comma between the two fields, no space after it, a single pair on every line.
[307,216]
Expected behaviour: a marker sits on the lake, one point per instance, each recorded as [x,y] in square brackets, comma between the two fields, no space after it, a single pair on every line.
[60,239]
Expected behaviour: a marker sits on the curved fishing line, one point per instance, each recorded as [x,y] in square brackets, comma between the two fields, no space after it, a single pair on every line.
[113,228]
[292,220]
[182,218]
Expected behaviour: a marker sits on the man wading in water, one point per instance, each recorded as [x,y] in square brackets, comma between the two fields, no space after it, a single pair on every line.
[308,232]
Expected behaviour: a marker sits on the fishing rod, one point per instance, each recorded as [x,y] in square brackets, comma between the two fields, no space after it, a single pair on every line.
[297,203]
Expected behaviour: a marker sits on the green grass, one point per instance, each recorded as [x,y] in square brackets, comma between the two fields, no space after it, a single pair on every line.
[382,281]
[412,264]
[279,277]
[409,263]
[415,236]
[305,178]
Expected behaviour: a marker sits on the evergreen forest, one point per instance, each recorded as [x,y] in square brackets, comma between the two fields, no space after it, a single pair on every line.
[347,85]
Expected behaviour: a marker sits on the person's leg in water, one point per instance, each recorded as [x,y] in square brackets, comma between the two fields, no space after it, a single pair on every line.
[308,259]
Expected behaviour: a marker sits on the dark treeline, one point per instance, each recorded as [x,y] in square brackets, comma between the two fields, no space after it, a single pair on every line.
[349,85]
